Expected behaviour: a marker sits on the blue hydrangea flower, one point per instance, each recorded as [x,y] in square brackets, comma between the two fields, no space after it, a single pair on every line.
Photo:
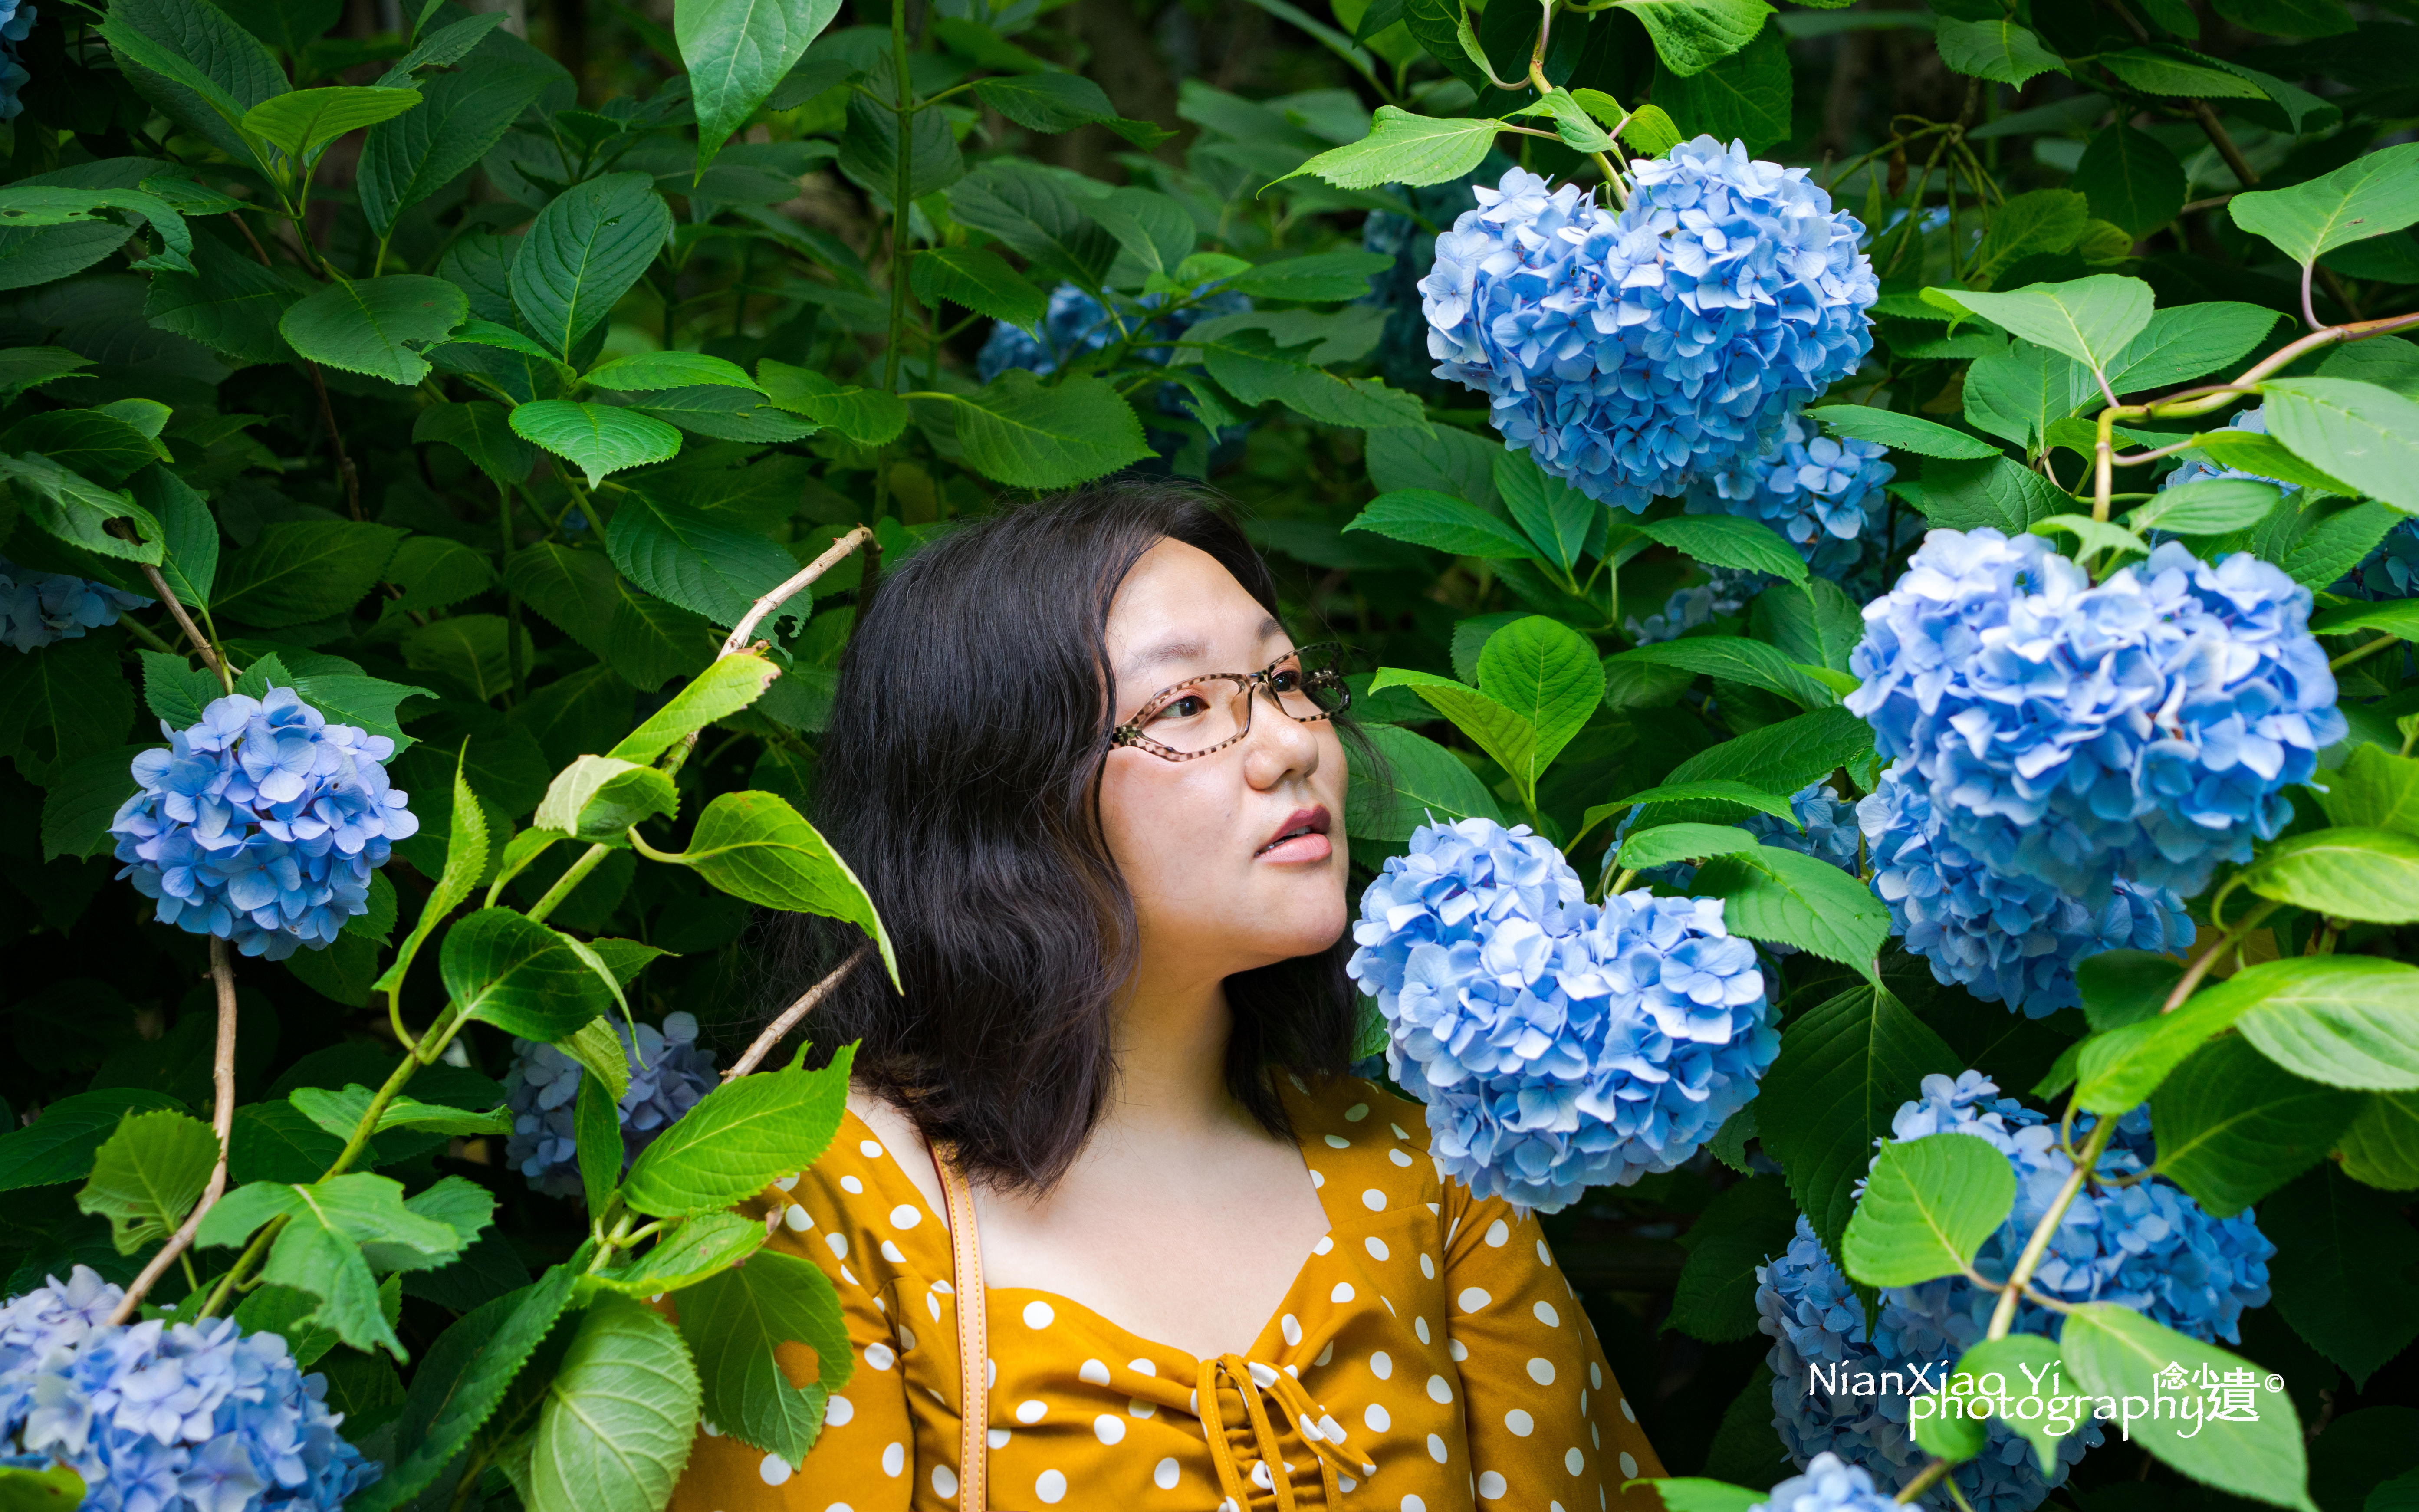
[37,608]
[1725,591]
[668,1073]
[1812,487]
[16,24]
[2006,939]
[1558,1044]
[261,824]
[2146,727]
[1403,345]
[1829,1485]
[2147,1246]
[160,1417]
[1077,323]
[1632,353]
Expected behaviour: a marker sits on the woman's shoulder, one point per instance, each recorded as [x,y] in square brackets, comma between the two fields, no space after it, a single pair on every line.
[862,1195]
[1348,1106]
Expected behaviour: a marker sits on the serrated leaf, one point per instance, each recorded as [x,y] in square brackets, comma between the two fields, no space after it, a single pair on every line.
[600,438]
[2113,1350]
[1666,843]
[2026,1366]
[1904,433]
[2209,506]
[1424,784]
[739,1137]
[146,1175]
[706,562]
[1403,148]
[582,255]
[978,279]
[1028,434]
[735,1320]
[2366,874]
[2233,1127]
[737,50]
[504,969]
[377,327]
[729,684]
[597,798]
[618,1418]
[301,123]
[60,1145]
[1928,1206]
[1727,541]
[2364,434]
[1997,49]
[1692,36]
[755,846]
[1774,894]
[1425,517]
[2374,193]
[2090,319]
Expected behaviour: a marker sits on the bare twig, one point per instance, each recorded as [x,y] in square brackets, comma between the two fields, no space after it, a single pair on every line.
[352,480]
[184,620]
[221,1124]
[832,557]
[792,1014]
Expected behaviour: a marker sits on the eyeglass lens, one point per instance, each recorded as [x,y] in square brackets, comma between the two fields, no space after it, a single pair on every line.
[1211,711]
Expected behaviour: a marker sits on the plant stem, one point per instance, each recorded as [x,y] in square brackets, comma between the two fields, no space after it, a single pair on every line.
[2363,652]
[345,471]
[221,1124]
[572,877]
[791,1016]
[2199,969]
[209,655]
[2003,1317]
[1924,1480]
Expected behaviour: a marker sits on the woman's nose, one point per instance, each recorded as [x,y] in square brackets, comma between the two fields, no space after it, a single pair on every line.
[1279,744]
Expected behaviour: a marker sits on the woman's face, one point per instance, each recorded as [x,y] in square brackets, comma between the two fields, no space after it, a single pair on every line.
[1234,860]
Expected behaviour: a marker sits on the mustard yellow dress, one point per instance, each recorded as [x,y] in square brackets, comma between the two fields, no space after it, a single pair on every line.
[1429,1357]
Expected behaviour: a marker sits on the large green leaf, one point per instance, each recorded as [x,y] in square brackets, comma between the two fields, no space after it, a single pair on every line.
[502,968]
[2381,1147]
[1928,1206]
[2025,1365]
[2374,789]
[618,1418]
[1773,894]
[582,255]
[1739,660]
[980,279]
[78,511]
[1037,216]
[1052,102]
[601,439]
[2364,434]
[755,846]
[2373,194]
[2157,72]
[2189,341]
[702,562]
[734,1323]
[1745,96]
[2233,1127]
[1505,736]
[2115,1351]
[1997,49]
[2345,1256]
[1547,675]
[1404,148]
[690,1252]
[301,123]
[738,1138]
[869,417]
[736,52]
[60,1145]
[1845,1067]
[377,327]
[1745,1223]
[869,149]
[1321,276]
[2369,875]
[1426,518]
[1029,435]
[2090,319]
[146,1175]
[1415,781]
[1682,842]
[1727,541]
[1904,433]
[2133,181]
[2344,1020]
[597,798]
[2315,1007]
[465,113]
[52,1488]
[100,447]
[481,431]
[1692,36]
[729,684]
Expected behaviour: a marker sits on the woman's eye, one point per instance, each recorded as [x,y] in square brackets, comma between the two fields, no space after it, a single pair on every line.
[1288,680]
[1189,706]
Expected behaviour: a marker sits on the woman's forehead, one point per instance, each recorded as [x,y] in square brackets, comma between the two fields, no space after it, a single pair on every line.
[1178,611]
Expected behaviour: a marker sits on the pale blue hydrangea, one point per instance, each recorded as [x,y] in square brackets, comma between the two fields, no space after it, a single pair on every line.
[2147,1246]
[2146,727]
[2006,939]
[668,1074]
[1632,353]
[16,24]
[37,608]
[1812,488]
[166,1417]
[1559,1045]
[1402,354]
[1726,590]
[1829,1485]
[261,824]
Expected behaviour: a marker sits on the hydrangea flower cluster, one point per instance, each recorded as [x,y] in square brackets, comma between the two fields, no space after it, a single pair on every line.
[261,824]
[1725,591]
[1633,353]
[2006,939]
[37,608]
[1812,487]
[160,1417]
[16,24]
[2147,1246]
[1559,1045]
[2144,727]
[668,1073]
[1403,345]
[1830,1484]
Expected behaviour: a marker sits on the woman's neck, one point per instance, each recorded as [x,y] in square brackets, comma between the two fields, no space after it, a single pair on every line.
[1170,1042]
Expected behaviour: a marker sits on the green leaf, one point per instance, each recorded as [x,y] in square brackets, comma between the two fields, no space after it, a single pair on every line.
[2344,1020]
[600,438]
[869,417]
[978,279]
[88,442]
[1844,1067]
[60,1145]
[2021,1364]
[2124,986]
[1727,541]
[1928,1206]
[301,123]
[708,563]
[618,1418]
[729,684]
[597,798]
[1419,782]
[2365,435]
[601,1054]
[734,1322]
[582,255]
[2265,457]
[89,791]
[1031,211]
[2090,319]
[2211,506]
[1503,734]
[753,845]
[740,1137]
[482,431]
[2345,1256]
[1156,233]
[1404,148]
[1681,843]
[1692,36]
[466,861]
[869,150]
[2189,341]
[2002,494]
[2381,1147]
[2130,179]
[2373,194]
[148,1174]
[2366,874]
[1047,102]
[378,326]
[78,511]
[1547,675]
[2162,71]
[1781,758]
[1745,96]
[1425,517]
[1650,132]
[2233,1128]
[641,371]
[691,1252]
[321,1248]
[2093,536]
[1555,515]
[503,969]
[1690,1494]
[1719,790]
[1997,49]
[1020,432]
[736,52]
[2375,789]
[1773,894]
[1322,277]
[1252,362]
[2396,617]
[464,115]
[2116,1351]
[27,206]
[52,1489]
[1741,1227]
[1904,433]
[597,1138]
[1737,659]
[340,1112]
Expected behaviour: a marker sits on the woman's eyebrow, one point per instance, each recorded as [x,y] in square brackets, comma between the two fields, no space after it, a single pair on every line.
[1179,648]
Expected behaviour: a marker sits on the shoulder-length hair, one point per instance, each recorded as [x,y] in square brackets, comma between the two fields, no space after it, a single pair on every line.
[959,776]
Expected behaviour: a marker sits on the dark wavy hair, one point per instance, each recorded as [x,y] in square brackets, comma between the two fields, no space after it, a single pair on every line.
[959,776]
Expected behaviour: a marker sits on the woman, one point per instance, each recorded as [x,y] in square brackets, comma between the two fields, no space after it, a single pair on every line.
[1220,1273]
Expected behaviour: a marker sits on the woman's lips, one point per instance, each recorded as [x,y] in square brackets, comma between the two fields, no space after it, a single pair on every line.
[1301,837]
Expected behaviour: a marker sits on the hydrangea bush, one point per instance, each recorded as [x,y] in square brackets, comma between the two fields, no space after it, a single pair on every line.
[37,608]
[669,1072]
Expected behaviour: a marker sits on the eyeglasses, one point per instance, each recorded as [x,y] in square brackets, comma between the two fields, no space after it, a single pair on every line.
[1212,711]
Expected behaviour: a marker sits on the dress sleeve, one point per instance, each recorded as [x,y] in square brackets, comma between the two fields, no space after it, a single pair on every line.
[863,1458]
[1548,1427]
